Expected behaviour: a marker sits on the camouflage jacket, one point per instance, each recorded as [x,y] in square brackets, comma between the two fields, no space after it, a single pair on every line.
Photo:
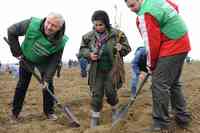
[89,41]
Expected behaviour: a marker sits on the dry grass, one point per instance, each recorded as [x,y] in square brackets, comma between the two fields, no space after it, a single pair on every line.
[73,90]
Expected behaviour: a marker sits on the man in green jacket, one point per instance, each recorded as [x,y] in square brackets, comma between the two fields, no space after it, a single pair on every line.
[42,48]
[167,43]
[100,46]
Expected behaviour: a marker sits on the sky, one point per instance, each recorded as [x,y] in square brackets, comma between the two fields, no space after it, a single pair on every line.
[78,21]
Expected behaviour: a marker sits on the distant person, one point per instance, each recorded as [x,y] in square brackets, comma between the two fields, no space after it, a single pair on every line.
[70,63]
[42,48]
[0,67]
[167,43]
[100,47]
[139,68]
[58,70]
[13,69]
[188,60]
[83,65]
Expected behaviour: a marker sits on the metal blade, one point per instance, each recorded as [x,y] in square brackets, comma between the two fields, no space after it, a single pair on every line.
[124,110]
[71,117]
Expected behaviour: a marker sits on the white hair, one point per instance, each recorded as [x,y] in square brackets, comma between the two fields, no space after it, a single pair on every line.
[58,16]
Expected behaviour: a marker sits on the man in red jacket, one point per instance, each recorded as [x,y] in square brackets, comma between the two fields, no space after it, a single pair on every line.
[167,43]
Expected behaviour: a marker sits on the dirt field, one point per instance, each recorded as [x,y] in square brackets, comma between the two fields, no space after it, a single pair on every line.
[73,90]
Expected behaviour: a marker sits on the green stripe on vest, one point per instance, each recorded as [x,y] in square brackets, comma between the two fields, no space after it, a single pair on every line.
[36,46]
[171,23]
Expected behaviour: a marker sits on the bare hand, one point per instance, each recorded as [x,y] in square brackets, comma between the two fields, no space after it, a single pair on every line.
[118,46]
[93,56]
[44,85]
[149,70]
[19,57]
[142,75]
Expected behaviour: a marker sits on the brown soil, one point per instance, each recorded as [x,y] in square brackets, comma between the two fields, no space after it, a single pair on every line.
[73,90]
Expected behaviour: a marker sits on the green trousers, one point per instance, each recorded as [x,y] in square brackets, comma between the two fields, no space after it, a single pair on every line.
[103,85]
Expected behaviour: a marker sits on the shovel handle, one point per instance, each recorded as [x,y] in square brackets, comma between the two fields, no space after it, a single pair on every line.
[73,121]
[142,84]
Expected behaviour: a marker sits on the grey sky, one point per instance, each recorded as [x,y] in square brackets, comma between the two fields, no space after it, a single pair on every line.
[78,21]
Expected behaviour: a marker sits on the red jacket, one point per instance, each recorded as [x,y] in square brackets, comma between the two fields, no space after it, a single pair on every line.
[159,45]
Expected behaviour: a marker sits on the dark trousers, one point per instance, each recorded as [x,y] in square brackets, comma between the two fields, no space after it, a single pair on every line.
[167,87]
[103,85]
[21,89]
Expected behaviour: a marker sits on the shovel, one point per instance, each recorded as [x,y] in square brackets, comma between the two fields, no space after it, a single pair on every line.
[121,113]
[65,109]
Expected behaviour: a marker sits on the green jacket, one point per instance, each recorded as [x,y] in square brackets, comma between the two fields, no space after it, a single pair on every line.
[36,47]
[51,63]
[167,17]
[88,45]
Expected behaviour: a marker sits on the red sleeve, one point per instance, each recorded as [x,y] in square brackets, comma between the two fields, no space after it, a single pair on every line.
[150,31]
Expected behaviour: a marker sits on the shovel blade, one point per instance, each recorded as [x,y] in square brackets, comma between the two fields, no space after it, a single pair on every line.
[73,122]
[122,112]
[120,115]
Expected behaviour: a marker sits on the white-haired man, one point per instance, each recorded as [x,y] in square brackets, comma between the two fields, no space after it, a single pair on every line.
[42,48]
